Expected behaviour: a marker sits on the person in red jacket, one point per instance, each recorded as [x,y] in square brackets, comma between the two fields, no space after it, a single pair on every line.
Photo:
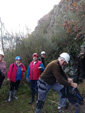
[34,70]
[15,75]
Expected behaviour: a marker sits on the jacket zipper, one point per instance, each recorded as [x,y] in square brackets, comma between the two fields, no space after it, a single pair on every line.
[32,72]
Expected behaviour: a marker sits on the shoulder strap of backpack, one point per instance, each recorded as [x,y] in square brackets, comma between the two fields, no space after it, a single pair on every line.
[13,66]
[76,105]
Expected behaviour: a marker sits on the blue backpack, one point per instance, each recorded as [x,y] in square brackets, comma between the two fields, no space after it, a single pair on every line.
[73,95]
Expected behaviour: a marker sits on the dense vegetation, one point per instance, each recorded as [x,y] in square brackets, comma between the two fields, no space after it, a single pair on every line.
[63,29]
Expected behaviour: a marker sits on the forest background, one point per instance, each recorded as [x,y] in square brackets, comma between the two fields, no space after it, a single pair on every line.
[61,30]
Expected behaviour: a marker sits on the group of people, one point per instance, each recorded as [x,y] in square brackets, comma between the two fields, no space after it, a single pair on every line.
[15,73]
[41,78]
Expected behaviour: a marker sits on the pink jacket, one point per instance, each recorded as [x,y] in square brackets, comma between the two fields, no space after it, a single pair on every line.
[13,71]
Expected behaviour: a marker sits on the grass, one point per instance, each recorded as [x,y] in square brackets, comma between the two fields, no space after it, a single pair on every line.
[21,105]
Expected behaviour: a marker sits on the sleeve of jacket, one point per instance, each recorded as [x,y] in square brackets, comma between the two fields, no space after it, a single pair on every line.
[28,72]
[9,71]
[24,69]
[5,69]
[41,65]
[59,77]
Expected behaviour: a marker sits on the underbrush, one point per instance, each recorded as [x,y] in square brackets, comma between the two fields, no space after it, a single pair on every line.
[24,94]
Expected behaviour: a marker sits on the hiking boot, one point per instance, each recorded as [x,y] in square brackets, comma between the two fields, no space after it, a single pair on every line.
[81,103]
[9,99]
[32,98]
[31,101]
[14,94]
[61,110]
[10,94]
[15,97]
[67,106]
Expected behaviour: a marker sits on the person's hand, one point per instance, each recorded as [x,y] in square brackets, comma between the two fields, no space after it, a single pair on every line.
[8,79]
[27,79]
[39,67]
[22,69]
[70,80]
[74,85]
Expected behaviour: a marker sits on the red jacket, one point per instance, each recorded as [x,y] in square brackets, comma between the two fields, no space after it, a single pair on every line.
[13,71]
[34,71]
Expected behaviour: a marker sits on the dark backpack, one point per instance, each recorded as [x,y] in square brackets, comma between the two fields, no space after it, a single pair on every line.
[73,95]
[13,66]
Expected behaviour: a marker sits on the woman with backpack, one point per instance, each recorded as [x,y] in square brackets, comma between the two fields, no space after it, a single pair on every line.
[15,75]
[2,68]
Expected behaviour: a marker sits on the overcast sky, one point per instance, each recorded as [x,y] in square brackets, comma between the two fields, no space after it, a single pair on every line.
[19,14]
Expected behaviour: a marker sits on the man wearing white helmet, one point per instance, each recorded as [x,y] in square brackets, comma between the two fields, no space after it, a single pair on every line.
[2,68]
[65,57]
[53,77]
[43,55]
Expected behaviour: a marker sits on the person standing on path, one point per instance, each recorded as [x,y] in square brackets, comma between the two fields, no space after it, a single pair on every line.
[34,70]
[15,75]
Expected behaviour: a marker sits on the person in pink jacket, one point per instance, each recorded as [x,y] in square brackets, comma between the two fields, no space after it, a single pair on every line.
[2,68]
[15,75]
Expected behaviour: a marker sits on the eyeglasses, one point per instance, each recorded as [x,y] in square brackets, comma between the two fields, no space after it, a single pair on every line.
[64,62]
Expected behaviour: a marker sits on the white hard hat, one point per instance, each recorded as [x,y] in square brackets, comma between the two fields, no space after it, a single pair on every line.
[43,53]
[66,56]
[1,53]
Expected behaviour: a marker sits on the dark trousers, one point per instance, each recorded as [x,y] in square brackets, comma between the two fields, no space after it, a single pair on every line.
[43,90]
[33,84]
[14,85]
[1,80]
[34,88]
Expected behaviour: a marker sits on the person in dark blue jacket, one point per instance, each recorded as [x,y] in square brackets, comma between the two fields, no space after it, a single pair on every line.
[42,58]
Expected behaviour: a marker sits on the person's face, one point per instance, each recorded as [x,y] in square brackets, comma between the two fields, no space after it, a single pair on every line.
[35,58]
[43,56]
[1,58]
[63,63]
[18,61]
